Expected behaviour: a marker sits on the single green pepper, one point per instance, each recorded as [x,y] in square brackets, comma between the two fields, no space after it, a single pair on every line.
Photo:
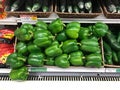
[41,24]
[70,46]
[56,26]
[25,32]
[15,60]
[73,24]
[32,48]
[84,33]
[36,59]
[19,74]
[93,60]
[61,36]
[89,45]
[53,51]
[50,62]
[100,29]
[62,61]
[21,48]
[76,58]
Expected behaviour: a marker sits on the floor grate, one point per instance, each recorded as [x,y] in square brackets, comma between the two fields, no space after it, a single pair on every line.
[67,78]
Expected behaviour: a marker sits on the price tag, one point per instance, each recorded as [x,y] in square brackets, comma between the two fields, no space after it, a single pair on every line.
[118,70]
[28,19]
[38,69]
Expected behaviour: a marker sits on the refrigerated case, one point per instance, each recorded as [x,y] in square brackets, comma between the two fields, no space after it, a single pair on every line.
[53,73]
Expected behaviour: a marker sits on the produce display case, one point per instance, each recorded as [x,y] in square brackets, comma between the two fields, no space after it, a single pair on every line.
[53,73]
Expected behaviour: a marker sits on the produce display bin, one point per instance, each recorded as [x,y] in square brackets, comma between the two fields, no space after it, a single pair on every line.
[37,13]
[93,14]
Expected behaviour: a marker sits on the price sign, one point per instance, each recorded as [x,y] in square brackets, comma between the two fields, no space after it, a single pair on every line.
[28,19]
[38,69]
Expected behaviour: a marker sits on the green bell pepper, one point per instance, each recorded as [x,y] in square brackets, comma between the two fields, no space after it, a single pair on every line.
[21,48]
[84,33]
[62,61]
[25,32]
[41,24]
[36,59]
[50,62]
[70,46]
[32,48]
[76,58]
[15,60]
[42,38]
[72,30]
[53,50]
[93,60]
[90,45]
[19,74]
[61,36]
[56,26]
[100,29]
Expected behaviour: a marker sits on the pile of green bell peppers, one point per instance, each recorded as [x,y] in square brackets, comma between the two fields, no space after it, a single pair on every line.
[56,44]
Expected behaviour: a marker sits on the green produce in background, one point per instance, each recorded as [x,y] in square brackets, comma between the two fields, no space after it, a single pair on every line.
[89,45]
[17,4]
[61,36]
[45,6]
[70,46]
[36,5]
[111,39]
[15,60]
[28,5]
[62,61]
[41,24]
[62,6]
[19,74]
[32,48]
[36,59]
[25,32]
[100,29]
[72,29]
[21,48]
[53,50]
[84,33]
[56,26]
[107,53]
[93,60]
[115,58]
[76,58]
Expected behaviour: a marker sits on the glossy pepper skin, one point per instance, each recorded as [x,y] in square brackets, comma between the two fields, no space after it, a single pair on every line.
[72,30]
[41,25]
[19,74]
[94,60]
[61,36]
[62,61]
[42,38]
[84,33]
[36,59]
[32,48]
[89,45]
[21,48]
[25,32]
[70,46]
[100,29]
[15,60]
[50,62]
[76,58]
[53,50]
[56,26]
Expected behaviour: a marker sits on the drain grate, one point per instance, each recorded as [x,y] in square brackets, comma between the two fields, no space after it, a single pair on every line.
[67,78]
